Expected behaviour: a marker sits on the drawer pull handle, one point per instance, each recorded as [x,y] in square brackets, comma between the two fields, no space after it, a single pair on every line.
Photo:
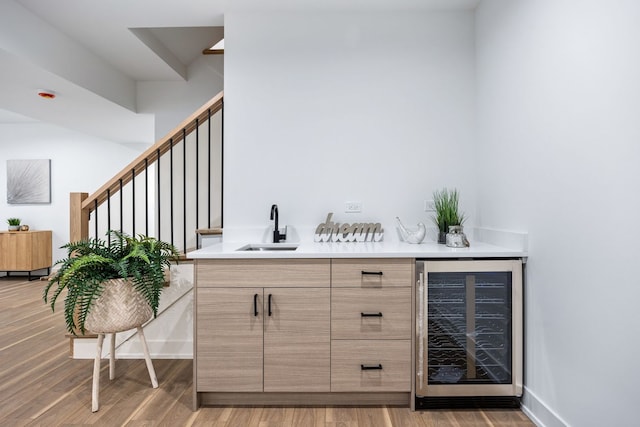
[255,305]
[371,367]
[371,273]
[379,314]
[269,304]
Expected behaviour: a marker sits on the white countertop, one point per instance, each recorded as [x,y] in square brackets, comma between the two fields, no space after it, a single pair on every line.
[226,250]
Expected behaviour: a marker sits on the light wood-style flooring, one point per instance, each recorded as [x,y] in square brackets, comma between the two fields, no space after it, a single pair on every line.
[41,386]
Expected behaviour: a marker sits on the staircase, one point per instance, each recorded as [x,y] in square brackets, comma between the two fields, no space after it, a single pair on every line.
[171,190]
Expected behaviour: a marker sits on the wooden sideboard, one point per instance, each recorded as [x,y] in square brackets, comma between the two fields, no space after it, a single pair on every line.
[26,251]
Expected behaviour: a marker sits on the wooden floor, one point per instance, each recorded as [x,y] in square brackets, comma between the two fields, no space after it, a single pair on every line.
[41,386]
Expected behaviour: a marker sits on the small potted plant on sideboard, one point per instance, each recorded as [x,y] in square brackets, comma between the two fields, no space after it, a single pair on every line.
[14,224]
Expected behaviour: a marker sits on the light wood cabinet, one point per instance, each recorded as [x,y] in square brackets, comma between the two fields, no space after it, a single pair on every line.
[297,331]
[25,250]
[371,325]
[259,338]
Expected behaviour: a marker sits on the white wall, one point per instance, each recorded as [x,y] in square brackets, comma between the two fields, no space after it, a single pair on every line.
[323,108]
[79,163]
[558,152]
[172,102]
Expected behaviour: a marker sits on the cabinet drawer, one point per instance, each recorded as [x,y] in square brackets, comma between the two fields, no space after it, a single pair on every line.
[371,313]
[247,273]
[371,273]
[389,363]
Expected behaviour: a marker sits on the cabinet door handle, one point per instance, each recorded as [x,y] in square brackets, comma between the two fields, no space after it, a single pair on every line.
[379,314]
[371,273]
[371,367]
[255,305]
[270,304]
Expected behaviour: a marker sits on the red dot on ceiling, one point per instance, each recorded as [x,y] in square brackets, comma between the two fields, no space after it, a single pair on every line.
[47,95]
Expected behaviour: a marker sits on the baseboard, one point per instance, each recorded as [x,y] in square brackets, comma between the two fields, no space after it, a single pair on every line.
[86,349]
[538,412]
[304,398]
[159,350]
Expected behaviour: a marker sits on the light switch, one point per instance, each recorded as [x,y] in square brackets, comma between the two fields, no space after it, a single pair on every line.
[428,206]
[352,207]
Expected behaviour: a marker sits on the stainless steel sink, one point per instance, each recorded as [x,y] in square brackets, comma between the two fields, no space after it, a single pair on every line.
[269,247]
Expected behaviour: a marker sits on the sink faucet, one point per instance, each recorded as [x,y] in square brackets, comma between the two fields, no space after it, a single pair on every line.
[277,236]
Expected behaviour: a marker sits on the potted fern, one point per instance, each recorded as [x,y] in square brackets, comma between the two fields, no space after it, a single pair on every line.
[131,269]
[447,214]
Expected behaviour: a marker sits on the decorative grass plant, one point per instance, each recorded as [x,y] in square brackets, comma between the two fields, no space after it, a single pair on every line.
[447,213]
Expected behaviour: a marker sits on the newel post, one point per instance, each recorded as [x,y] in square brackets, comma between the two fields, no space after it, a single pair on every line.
[78,217]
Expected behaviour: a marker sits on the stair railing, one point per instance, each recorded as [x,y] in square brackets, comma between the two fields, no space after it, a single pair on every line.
[171,190]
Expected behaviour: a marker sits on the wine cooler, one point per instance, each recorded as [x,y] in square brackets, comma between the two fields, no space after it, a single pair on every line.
[469,333]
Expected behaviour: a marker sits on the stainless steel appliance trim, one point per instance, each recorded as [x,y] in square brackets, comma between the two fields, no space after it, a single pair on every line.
[421,336]
[514,266]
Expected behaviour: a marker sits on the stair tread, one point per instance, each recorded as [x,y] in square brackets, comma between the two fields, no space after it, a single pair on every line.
[209,231]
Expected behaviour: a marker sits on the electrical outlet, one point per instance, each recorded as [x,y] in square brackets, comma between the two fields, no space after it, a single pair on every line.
[352,207]
[428,206]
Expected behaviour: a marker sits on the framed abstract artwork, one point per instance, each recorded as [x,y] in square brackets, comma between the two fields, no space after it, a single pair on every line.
[28,181]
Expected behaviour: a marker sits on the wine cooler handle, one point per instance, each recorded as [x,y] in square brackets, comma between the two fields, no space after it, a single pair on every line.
[371,367]
[270,304]
[421,338]
[255,305]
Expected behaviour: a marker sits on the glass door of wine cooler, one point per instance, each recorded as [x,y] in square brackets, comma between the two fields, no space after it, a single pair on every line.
[469,327]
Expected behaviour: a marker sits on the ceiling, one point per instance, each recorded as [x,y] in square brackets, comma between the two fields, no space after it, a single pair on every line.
[94,51]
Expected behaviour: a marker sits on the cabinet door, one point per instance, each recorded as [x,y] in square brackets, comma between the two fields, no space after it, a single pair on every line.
[229,339]
[40,256]
[297,340]
[15,251]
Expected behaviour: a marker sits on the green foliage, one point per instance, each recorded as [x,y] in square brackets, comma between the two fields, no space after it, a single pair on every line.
[446,206]
[89,263]
[13,221]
